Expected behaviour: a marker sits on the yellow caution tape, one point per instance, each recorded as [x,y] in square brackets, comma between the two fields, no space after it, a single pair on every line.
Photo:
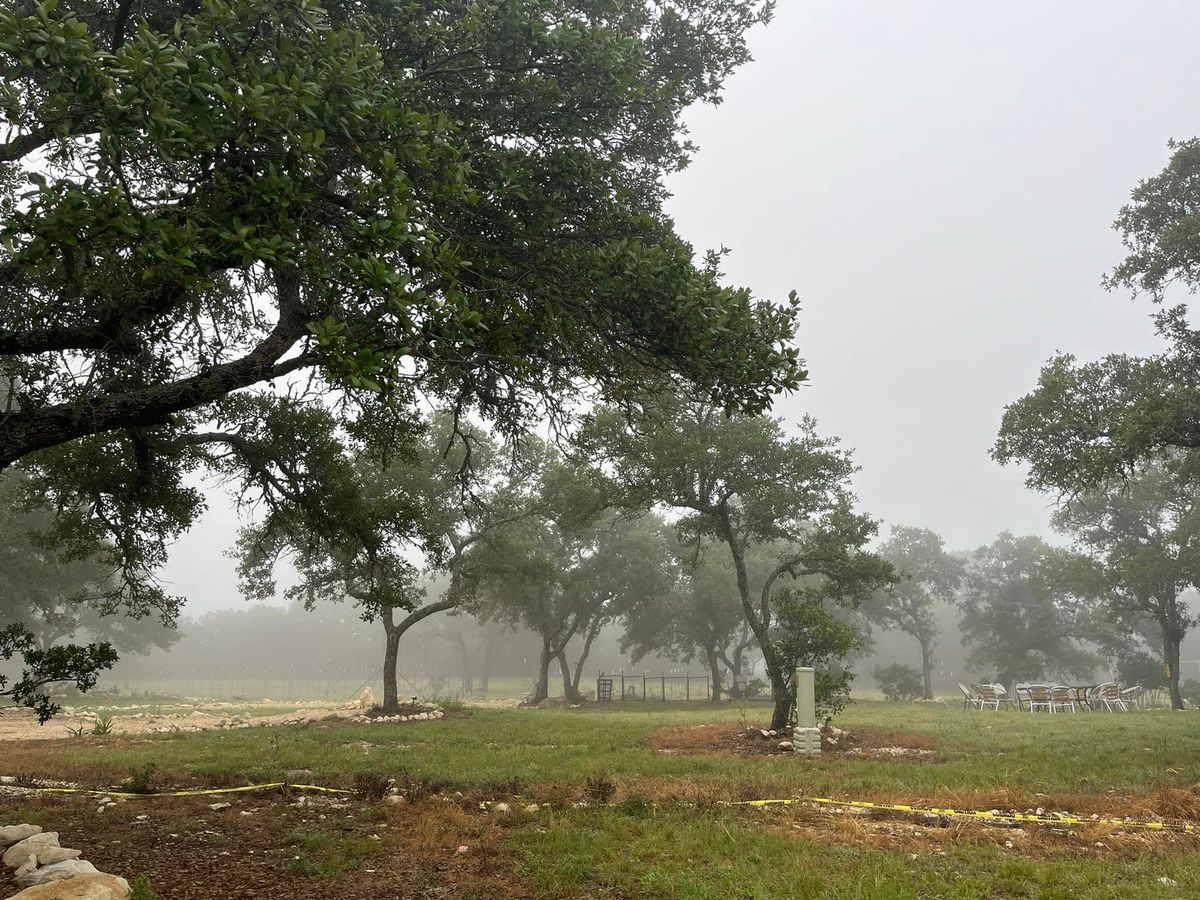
[233,790]
[982,815]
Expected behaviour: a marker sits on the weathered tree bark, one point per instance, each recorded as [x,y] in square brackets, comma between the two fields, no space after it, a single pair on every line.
[714,672]
[541,689]
[391,657]
[593,630]
[393,631]
[927,665]
[1171,642]
[569,690]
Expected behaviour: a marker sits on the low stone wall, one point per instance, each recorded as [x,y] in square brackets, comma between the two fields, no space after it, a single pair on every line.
[49,871]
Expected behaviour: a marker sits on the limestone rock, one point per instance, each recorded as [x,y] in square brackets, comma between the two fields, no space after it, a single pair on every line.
[10,834]
[216,807]
[22,850]
[47,856]
[31,863]
[68,868]
[80,887]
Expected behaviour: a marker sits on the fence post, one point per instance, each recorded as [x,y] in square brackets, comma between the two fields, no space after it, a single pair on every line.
[643,686]
[622,685]
[664,687]
[687,691]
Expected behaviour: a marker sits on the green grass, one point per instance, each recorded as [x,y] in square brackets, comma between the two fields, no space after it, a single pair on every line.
[714,857]
[324,854]
[1047,754]
[649,843]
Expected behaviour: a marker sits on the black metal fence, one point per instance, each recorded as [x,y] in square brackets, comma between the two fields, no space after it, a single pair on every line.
[623,686]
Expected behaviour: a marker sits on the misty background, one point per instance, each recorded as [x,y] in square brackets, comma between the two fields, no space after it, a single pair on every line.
[937,182]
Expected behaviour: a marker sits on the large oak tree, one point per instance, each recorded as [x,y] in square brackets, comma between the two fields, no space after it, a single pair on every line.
[211,209]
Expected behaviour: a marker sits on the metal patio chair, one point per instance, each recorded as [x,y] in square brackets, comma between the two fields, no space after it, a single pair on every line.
[1039,698]
[1108,695]
[1062,698]
[969,699]
[988,698]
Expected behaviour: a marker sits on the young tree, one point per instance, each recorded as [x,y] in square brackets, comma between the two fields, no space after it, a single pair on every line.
[928,577]
[380,513]
[1145,533]
[1025,612]
[205,203]
[573,568]
[741,480]
[701,617]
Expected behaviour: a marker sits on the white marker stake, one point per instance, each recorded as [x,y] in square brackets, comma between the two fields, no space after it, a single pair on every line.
[806,738]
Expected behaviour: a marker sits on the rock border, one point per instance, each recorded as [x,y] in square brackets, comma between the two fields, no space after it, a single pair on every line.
[38,862]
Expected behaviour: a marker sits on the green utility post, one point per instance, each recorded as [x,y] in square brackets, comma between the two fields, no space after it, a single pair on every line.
[806,738]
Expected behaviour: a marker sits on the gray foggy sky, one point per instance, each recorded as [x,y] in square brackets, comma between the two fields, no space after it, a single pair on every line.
[937,181]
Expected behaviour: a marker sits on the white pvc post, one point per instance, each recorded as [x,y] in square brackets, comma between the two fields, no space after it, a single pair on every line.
[806,738]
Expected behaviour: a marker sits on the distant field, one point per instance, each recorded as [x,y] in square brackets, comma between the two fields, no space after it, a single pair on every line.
[636,798]
[334,689]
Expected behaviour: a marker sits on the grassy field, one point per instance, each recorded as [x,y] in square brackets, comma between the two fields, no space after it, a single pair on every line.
[636,805]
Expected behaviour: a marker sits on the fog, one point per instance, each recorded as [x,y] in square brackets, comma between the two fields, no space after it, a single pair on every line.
[937,182]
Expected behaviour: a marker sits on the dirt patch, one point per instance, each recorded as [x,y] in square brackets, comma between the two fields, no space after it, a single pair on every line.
[734,739]
[914,834]
[276,846]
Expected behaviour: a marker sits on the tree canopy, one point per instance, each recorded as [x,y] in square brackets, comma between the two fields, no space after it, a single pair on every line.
[927,575]
[234,232]
[1025,611]
[1088,422]
[743,481]
[1145,534]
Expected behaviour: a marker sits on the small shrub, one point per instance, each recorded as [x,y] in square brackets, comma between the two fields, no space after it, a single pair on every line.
[600,788]
[104,725]
[371,785]
[898,681]
[139,779]
[139,889]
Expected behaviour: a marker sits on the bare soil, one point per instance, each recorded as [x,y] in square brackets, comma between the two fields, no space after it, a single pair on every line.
[254,848]
[735,739]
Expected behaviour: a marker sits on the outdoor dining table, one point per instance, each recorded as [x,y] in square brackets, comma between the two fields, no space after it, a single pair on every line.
[1081,694]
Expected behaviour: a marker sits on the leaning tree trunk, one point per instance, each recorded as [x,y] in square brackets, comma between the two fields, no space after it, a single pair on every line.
[927,666]
[583,655]
[542,689]
[391,654]
[569,690]
[781,689]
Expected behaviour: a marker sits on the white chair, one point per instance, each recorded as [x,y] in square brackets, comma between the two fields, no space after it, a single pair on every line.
[1062,698]
[969,699]
[988,698]
[1039,698]
[1109,696]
